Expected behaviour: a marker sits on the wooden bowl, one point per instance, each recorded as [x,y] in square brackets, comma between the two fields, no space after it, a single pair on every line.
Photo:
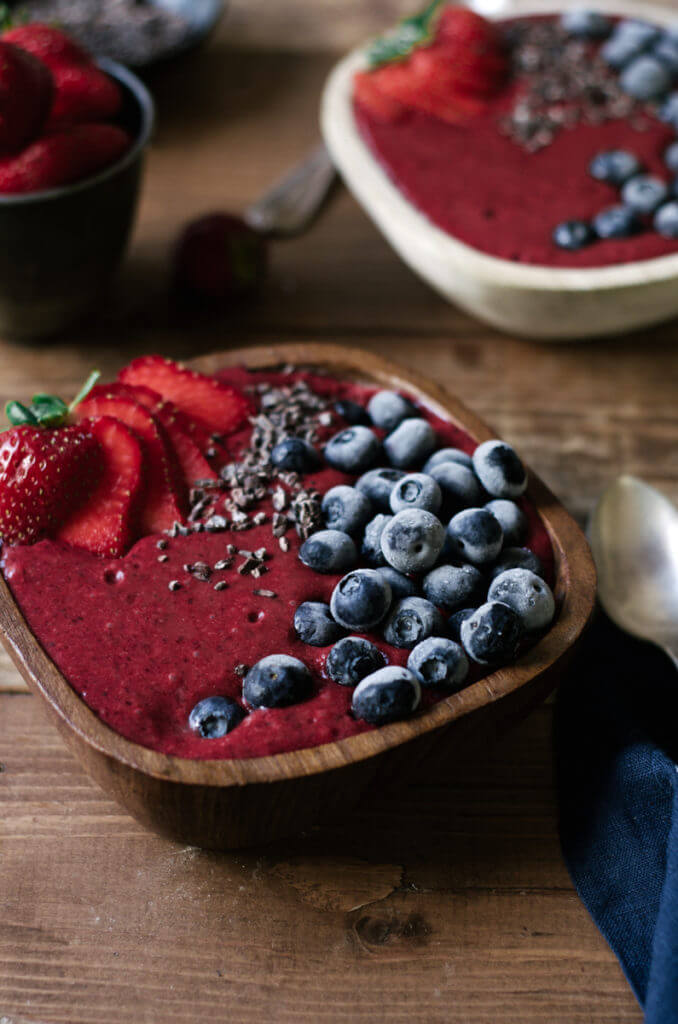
[224,804]
[548,303]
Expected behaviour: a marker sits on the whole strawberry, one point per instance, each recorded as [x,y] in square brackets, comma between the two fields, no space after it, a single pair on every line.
[219,257]
[49,44]
[26,93]
[63,157]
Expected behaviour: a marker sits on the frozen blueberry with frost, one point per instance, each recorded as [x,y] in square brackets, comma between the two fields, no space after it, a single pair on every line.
[351,659]
[455,620]
[360,600]
[645,78]
[346,509]
[412,540]
[585,24]
[213,717]
[459,486]
[412,620]
[616,222]
[499,469]
[645,193]
[668,112]
[377,484]
[329,551]
[438,661]
[385,696]
[615,166]
[573,235]
[644,32]
[416,490]
[475,536]
[517,558]
[400,584]
[454,586]
[410,444]
[491,635]
[527,594]
[314,624]
[387,409]
[352,412]
[277,681]
[353,450]
[666,50]
[666,220]
[294,455]
[671,155]
[625,46]
[447,455]
[511,518]
[371,546]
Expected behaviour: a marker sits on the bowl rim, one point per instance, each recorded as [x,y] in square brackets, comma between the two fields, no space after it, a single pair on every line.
[146,106]
[574,587]
[372,186]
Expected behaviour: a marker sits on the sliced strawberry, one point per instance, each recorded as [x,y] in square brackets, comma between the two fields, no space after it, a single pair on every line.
[367,93]
[163,500]
[218,406]
[44,476]
[106,524]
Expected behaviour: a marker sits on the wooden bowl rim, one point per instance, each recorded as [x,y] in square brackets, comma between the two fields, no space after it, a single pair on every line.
[575,588]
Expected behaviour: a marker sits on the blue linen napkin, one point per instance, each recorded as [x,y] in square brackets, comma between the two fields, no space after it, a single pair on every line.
[616,738]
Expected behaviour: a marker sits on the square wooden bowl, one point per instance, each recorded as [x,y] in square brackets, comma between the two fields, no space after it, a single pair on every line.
[225,804]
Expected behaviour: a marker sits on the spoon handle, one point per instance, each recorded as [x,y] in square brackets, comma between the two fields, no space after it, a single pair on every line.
[292,203]
[672,651]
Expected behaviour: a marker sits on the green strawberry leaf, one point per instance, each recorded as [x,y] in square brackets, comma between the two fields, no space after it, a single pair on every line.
[49,410]
[408,35]
[19,416]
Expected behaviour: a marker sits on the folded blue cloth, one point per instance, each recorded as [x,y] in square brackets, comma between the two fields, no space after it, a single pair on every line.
[616,737]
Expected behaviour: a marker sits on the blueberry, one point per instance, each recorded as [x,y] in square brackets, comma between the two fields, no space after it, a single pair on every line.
[645,193]
[527,594]
[371,546]
[437,661]
[668,112]
[643,32]
[410,443]
[447,455]
[585,24]
[314,624]
[671,155]
[353,450]
[412,620]
[400,584]
[666,50]
[454,586]
[645,78]
[455,620]
[614,166]
[416,490]
[666,220]
[511,518]
[377,484]
[499,469]
[412,541]
[352,659]
[346,509]
[276,682]
[573,235]
[475,536]
[517,558]
[352,412]
[616,222]
[492,634]
[329,551]
[388,409]
[360,600]
[628,41]
[213,717]
[388,695]
[294,455]
[459,486]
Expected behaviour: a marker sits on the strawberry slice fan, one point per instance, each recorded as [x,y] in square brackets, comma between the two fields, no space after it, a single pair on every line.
[118,462]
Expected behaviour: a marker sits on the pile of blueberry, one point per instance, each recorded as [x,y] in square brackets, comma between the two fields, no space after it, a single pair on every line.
[646,59]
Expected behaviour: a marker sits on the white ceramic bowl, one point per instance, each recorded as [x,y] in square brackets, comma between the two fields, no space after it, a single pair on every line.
[539,302]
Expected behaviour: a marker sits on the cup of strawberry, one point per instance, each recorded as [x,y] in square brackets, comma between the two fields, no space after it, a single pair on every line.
[72,136]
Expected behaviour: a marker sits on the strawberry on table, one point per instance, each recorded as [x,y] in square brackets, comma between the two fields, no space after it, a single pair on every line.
[219,257]
[106,524]
[26,93]
[63,157]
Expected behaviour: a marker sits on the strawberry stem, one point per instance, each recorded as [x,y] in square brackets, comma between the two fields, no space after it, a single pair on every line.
[85,389]
[47,410]
[408,35]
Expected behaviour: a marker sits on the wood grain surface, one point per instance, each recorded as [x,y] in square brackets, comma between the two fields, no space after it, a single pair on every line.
[437,903]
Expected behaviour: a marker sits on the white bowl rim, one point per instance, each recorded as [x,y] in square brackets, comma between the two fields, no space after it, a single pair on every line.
[377,189]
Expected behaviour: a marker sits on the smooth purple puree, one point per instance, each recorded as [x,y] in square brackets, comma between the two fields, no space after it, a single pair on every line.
[142,656]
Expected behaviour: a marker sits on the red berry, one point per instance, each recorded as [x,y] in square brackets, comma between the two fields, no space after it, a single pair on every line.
[83,94]
[219,257]
[63,157]
[50,45]
[26,92]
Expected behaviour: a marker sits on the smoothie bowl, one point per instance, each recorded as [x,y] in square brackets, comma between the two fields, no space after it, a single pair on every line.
[483,151]
[238,659]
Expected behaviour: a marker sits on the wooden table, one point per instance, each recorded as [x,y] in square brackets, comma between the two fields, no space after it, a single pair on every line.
[437,903]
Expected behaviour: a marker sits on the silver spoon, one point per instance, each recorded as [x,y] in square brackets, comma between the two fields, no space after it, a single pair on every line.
[634,537]
[291,204]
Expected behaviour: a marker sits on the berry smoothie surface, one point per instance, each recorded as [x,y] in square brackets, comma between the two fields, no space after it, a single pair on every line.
[142,654]
[482,185]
